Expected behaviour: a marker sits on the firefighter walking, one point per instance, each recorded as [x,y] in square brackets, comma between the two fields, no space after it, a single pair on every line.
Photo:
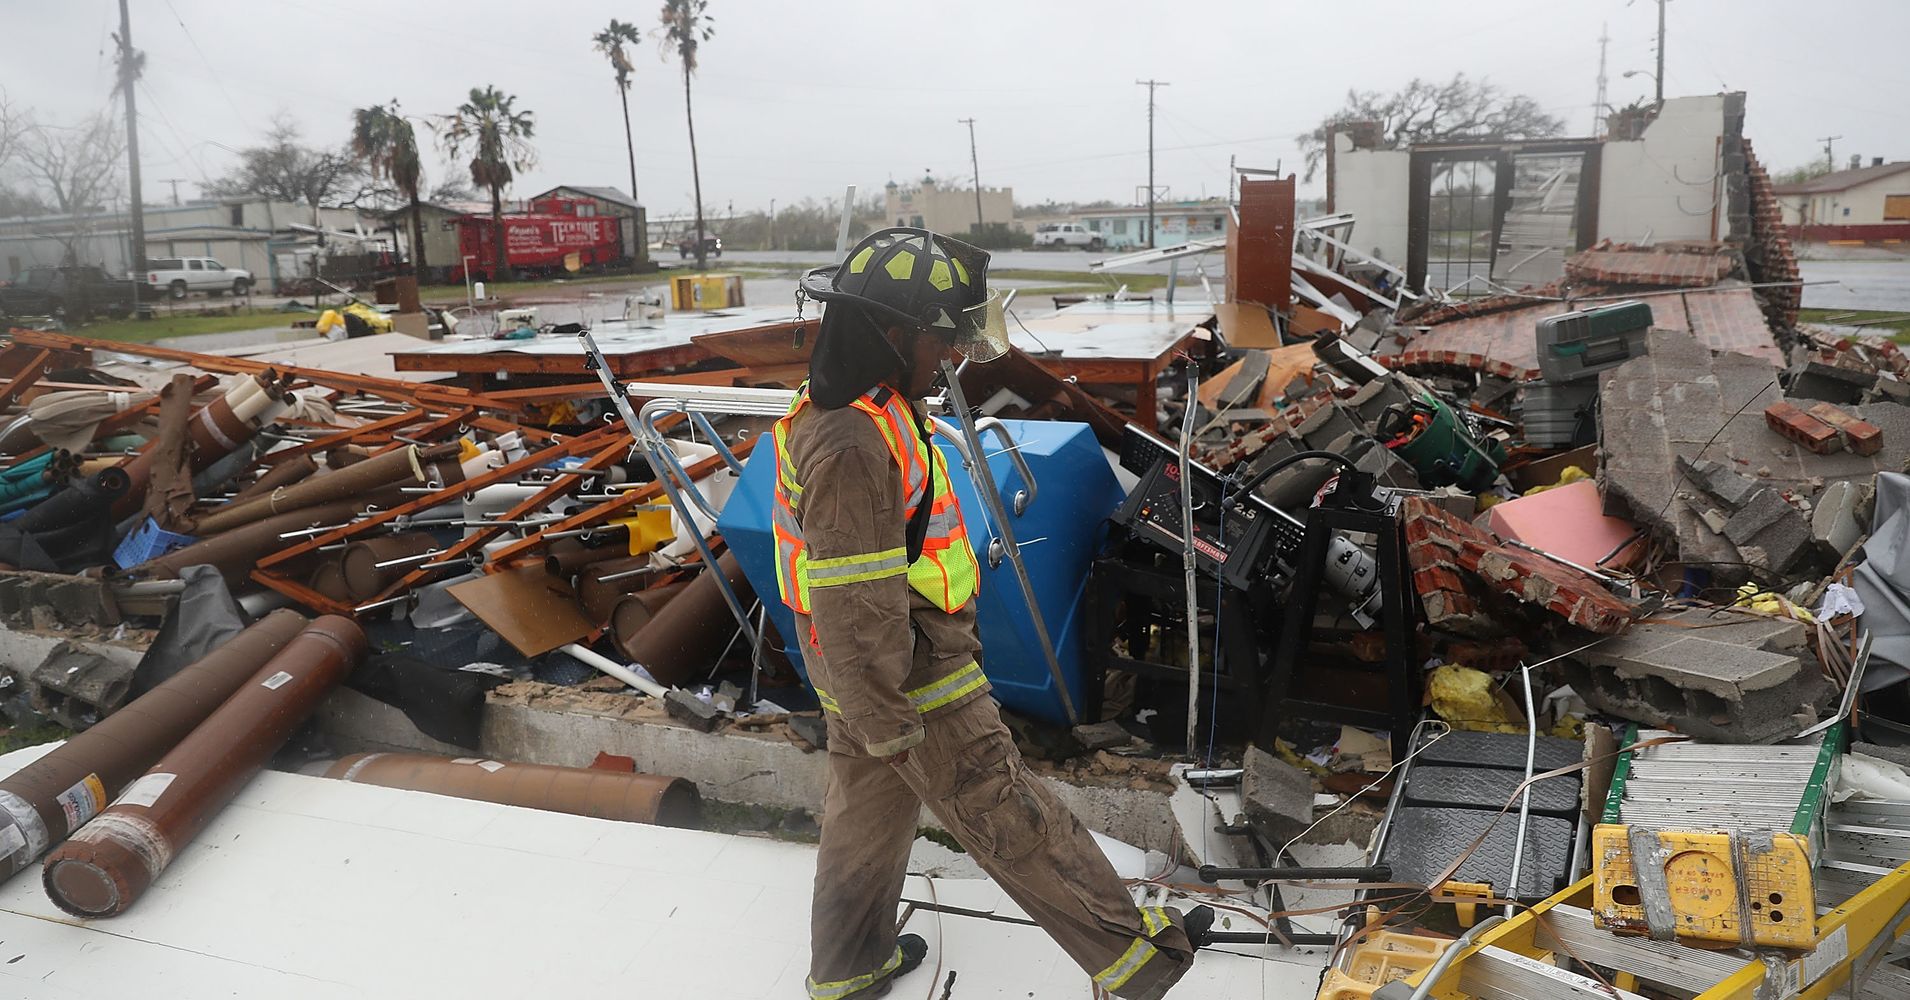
[873,556]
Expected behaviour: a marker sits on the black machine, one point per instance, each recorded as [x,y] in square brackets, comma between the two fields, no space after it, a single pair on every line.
[1257,551]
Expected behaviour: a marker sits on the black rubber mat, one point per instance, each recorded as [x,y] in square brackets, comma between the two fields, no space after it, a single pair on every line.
[1424,841]
[1499,750]
[1488,788]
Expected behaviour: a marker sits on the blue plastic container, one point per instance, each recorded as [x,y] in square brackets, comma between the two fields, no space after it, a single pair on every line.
[1059,533]
[148,541]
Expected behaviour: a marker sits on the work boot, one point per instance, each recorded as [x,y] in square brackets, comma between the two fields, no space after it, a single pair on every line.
[914,949]
[1198,923]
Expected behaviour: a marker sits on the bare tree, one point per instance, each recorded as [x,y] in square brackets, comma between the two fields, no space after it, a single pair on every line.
[286,169]
[1423,111]
[12,122]
[77,169]
[451,189]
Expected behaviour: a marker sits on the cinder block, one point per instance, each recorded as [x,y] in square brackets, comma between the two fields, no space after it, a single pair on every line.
[1278,796]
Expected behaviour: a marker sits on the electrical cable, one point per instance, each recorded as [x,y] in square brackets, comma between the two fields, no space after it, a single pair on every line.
[1253,482]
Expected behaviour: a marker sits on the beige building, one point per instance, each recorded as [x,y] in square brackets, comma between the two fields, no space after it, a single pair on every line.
[929,205]
[1861,196]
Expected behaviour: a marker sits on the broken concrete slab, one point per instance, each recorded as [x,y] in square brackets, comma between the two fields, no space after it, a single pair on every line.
[1834,518]
[1815,379]
[1682,401]
[1770,533]
[1719,675]
[1719,480]
[1278,796]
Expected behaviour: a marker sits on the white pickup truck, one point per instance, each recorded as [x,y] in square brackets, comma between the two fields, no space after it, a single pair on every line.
[1067,234]
[182,275]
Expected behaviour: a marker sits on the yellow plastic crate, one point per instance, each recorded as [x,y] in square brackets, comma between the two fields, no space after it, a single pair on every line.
[1383,957]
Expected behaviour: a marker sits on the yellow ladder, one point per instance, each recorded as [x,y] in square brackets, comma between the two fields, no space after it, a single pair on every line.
[1517,958]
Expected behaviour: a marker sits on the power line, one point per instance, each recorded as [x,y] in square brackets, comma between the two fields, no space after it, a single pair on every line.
[234,105]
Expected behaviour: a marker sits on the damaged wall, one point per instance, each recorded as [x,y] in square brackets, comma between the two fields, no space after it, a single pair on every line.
[1374,185]
[1668,185]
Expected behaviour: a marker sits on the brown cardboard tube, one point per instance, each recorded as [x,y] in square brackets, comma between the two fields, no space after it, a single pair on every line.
[580,791]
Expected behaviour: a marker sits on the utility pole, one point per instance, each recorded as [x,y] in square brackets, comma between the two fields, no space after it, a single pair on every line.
[174,181]
[1151,85]
[128,73]
[772,223]
[975,162]
[1660,78]
[1598,106]
[1830,162]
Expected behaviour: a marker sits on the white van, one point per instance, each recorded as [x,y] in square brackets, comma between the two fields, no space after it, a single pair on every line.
[182,275]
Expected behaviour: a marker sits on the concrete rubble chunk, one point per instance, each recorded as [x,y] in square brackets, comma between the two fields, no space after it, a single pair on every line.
[1103,736]
[1770,532]
[691,710]
[1719,480]
[76,687]
[1834,521]
[1726,676]
[1278,796]
[810,730]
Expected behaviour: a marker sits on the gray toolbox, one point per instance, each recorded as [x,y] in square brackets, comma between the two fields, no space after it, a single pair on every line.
[1577,345]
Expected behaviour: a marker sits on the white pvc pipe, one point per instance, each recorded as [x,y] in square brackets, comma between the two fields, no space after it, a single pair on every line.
[616,670]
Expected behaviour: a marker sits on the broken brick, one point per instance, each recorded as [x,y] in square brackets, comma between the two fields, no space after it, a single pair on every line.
[1862,436]
[1801,427]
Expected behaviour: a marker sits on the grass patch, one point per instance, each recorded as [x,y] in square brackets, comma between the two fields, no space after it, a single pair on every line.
[30,736]
[1895,325]
[140,331]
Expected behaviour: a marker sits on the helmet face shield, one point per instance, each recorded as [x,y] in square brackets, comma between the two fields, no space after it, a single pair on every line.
[981,332]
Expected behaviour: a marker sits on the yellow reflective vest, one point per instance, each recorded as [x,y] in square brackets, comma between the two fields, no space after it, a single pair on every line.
[945,573]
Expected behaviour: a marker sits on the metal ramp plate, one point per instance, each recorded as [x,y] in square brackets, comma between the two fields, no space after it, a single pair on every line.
[1425,840]
[1488,788]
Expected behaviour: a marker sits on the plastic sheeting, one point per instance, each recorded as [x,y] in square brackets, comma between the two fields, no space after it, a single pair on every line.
[1883,582]
[202,618]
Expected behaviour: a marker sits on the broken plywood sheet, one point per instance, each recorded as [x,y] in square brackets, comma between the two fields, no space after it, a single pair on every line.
[534,611]
[1246,325]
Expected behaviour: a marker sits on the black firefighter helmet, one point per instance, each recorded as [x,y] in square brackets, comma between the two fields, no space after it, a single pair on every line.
[909,278]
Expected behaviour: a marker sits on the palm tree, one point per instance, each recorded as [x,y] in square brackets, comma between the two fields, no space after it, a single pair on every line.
[381,136]
[610,42]
[498,137]
[686,23]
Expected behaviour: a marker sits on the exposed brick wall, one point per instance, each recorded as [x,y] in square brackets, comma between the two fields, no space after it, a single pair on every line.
[1452,561]
[1661,266]
[1768,254]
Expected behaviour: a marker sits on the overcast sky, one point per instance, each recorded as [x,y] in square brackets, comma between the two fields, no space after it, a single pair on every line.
[797,100]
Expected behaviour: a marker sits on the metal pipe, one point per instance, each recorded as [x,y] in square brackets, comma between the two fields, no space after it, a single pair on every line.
[42,803]
[991,501]
[1525,790]
[592,658]
[1447,957]
[624,796]
[626,574]
[1210,777]
[1188,560]
[1365,873]
[632,612]
[105,867]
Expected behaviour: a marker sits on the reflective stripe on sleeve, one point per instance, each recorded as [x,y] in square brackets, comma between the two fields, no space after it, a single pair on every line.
[1155,919]
[858,568]
[1115,976]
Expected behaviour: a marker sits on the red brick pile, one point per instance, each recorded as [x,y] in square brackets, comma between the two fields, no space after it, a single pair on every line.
[1823,428]
[1456,568]
[1664,265]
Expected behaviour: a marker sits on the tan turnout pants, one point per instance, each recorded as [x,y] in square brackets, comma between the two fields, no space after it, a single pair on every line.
[970,775]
